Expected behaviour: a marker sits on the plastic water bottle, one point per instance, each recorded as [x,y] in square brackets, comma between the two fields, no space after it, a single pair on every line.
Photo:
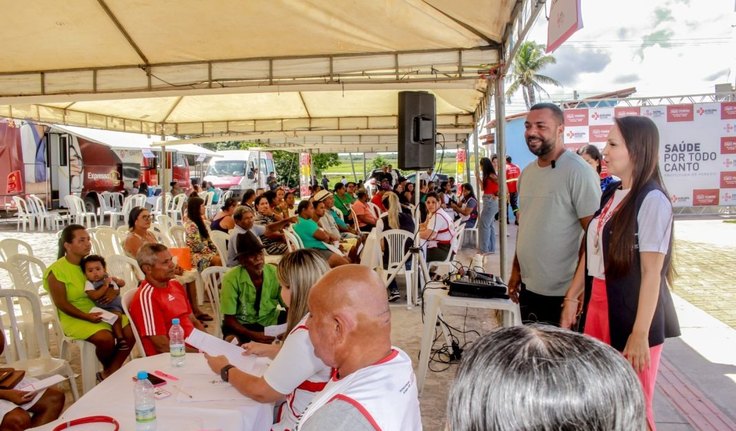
[176,344]
[145,403]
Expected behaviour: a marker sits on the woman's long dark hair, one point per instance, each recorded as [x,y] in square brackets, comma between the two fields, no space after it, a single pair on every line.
[641,138]
[67,235]
[487,169]
[195,215]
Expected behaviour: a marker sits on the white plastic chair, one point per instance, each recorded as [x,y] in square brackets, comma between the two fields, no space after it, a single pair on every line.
[179,235]
[126,268]
[177,204]
[24,215]
[375,210]
[45,217]
[109,242]
[78,211]
[11,246]
[20,270]
[395,243]
[122,213]
[220,239]
[464,230]
[42,365]
[212,278]
[106,206]
[292,240]
[126,299]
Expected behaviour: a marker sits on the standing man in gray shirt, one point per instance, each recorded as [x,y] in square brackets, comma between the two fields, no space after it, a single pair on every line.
[558,195]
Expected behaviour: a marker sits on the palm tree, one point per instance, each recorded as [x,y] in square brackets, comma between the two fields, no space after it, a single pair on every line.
[529,61]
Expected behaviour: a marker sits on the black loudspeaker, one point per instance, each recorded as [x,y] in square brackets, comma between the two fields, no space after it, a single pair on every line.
[417,130]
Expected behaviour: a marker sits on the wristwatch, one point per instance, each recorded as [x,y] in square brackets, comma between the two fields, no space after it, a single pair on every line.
[225,372]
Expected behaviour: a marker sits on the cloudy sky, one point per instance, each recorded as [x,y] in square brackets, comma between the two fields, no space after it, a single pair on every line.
[661,47]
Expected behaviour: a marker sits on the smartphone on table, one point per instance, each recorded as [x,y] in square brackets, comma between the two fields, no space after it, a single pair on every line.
[154,379]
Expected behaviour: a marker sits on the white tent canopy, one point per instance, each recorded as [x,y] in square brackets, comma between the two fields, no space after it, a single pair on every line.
[129,141]
[312,74]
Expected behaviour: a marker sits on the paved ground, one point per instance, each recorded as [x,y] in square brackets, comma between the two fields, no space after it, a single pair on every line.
[698,376]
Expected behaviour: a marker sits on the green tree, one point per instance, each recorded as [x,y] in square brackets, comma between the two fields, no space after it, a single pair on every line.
[287,165]
[528,62]
[379,162]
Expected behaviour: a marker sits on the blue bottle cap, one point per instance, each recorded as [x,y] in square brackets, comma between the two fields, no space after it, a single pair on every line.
[142,375]
[175,321]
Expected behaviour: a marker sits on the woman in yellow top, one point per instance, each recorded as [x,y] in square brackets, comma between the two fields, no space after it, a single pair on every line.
[64,280]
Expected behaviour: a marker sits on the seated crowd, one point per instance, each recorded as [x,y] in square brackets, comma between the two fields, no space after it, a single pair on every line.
[335,367]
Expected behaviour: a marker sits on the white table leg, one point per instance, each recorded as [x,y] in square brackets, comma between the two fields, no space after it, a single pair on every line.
[432,309]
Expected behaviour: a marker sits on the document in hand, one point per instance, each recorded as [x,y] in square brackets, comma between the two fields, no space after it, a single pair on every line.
[40,385]
[214,346]
[107,316]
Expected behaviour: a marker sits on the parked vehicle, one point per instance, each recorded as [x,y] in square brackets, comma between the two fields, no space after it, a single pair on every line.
[239,170]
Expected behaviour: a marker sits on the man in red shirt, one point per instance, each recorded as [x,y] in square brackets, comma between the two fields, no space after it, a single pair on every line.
[159,299]
[512,179]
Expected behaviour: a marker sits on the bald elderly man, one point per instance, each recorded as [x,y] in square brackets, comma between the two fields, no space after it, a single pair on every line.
[373,385]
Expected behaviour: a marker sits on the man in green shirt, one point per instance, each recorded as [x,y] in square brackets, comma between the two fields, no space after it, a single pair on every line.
[250,294]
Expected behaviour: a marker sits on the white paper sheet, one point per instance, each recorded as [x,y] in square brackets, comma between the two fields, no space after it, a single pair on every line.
[107,316]
[210,387]
[42,384]
[274,330]
[214,346]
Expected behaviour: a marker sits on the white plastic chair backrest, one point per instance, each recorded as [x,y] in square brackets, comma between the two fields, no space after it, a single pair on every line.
[220,239]
[208,198]
[38,205]
[126,268]
[30,307]
[71,205]
[21,205]
[116,200]
[157,203]
[225,196]
[11,246]
[122,232]
[105,202]
[212,277]
[126,299]
[30,269]
[157,234]
[179,235]
[292,240]
[109,241]
[395,243]
[165,222]
[140,200]
[178,202]
[374,209]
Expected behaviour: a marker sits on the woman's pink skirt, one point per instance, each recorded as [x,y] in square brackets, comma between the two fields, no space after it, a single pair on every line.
[597,326]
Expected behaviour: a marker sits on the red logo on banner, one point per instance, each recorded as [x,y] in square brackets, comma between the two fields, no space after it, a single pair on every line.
[728,180]
[728,145]
[703,197]
[599,133]
[679,113]
[728,111]
[626,112]
[576,117]
[15,183]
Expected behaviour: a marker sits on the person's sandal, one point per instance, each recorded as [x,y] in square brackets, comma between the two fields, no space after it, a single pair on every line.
[122,344]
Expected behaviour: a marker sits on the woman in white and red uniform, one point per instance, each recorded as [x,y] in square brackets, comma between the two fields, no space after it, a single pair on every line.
[295,373]
[438,230]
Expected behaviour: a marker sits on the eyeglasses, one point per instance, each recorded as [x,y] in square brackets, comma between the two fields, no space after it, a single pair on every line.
[146,217]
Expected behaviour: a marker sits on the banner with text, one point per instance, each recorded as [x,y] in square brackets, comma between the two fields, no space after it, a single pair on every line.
[697,154]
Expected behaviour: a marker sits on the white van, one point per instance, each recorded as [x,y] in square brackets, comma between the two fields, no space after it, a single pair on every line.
[240,170]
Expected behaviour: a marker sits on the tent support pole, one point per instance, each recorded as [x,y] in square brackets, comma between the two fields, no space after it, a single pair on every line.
[503,192]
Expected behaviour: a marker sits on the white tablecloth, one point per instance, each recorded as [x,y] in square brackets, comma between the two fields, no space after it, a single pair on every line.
[114,397]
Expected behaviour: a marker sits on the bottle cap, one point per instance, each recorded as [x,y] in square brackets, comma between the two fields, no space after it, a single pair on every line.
[142,375]
[175,321]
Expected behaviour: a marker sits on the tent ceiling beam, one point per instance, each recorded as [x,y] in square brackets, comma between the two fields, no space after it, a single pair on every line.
[524,15]
[258,75]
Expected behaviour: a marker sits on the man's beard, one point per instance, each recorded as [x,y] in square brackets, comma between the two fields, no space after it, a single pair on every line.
[545,147]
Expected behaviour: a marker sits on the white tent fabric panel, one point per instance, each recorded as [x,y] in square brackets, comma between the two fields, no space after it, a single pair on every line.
[299,68]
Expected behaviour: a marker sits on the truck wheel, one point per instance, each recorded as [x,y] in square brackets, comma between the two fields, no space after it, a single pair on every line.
[90,205]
